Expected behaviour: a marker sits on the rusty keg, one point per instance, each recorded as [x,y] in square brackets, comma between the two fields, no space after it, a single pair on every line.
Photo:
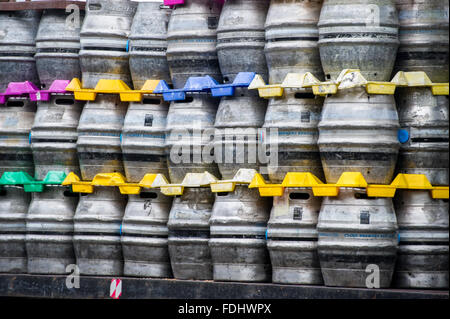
[192,39]
[241,38]
[291,38]
[358,34]
[358,132]
[292,238]
[148,43]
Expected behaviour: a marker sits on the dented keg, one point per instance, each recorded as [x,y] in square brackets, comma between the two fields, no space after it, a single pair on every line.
[99,132]
[292,238]
[145,235]
[423,37]
[422,260]
[236,132]
[57,46]
[291,38]
[148,43]
[50,230]
[17,46]
[359,133]
[293,120]
[104,38]
[424,122]
[358,34]
[143,139]
[97,232]
[192,39]
[241,38]
[188,225]
[54,135]
[238,245]
[189,137]
[13,212]
[358,240]
[16,120]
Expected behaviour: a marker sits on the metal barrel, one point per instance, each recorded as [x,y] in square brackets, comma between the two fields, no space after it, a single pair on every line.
[292,38]
[99,132]
[16,120]
[143,139]
[241,38]
[58,45]
[96,239]
[189,137]
[358,240]
[145,235]
[292,238]
[292,122]
[358,132]
[192,39]
[423,38]
[148,44]
[54,135]
[236,139]
[50,230]
[238,246]
[14,204]
[424,123]
[358,34]
[422,260]
[188,225]
[104,41]
[17,46]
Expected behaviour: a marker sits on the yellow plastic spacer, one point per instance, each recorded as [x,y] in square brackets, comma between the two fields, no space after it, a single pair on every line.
[440,89]
[411,181]
[326,190]
[325,89]
[108,179]
[172,190]
[385,88]
[440,192]
[301,180]
[271,91]
[271,191]
[381,191]
[131,96]
[130,189]
[352,179]
[148,179]
[111,86]
[221,187]
[83,188]
[70,179]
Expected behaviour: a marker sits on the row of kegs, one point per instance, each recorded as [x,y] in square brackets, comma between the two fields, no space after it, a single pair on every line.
[234,236]
[349,240]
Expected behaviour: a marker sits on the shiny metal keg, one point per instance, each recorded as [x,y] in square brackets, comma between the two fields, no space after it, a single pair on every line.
[189,137]
[236,138]
[17,46]
[358,132]
[424,121]
[96,239]
[14,204]
[358,34]
[358,240]
[54,135]
[241,38]
[16,120]
[188,225]
[192,39]
[148,43]
[291,38]
[238,245]
[423,37]
[58,45]
[295,116]
[99,132]
[422,260]
[50,230]
[104,38]
[292,238]
[143,139]
[145,235]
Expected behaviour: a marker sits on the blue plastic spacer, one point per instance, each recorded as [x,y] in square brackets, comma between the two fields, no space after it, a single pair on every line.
[403,136]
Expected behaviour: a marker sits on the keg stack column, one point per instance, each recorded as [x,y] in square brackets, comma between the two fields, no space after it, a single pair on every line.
[358,133]
[424,119]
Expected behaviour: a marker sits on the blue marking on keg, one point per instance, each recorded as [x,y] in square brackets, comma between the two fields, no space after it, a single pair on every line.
[398,237]
[267,231]
[29,138]
[120,230]
[403,136]
[121,138]
[128,46]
